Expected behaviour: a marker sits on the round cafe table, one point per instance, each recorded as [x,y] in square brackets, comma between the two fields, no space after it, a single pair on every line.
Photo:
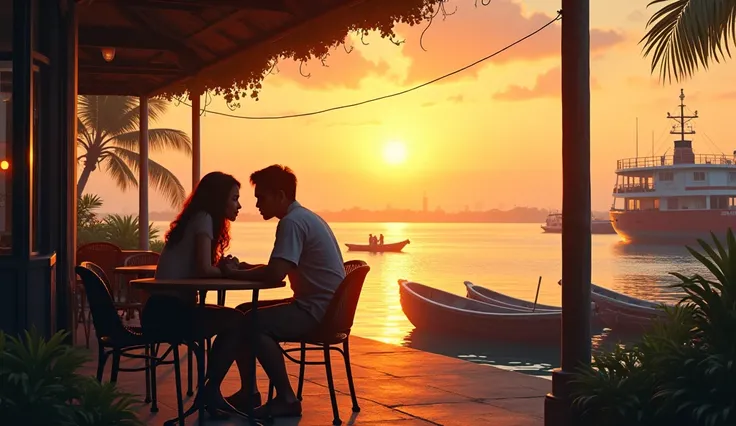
[136,269]
[202,285]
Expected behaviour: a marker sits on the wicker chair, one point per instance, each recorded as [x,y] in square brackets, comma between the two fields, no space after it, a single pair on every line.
[105,255]
[334,331]
[133,297]
[118,340]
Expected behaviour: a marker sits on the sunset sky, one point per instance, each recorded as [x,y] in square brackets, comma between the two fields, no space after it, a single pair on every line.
[487,138]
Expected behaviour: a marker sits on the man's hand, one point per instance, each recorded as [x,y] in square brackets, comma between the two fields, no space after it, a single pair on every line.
[227,268]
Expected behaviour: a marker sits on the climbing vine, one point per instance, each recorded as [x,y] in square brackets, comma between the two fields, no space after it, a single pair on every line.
[242,76]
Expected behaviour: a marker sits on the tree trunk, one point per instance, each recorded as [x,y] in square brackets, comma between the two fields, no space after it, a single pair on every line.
[89,167]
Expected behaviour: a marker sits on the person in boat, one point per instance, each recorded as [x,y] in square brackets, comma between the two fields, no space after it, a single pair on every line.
[306,251]
[380,240]
[195,244]
[370,239]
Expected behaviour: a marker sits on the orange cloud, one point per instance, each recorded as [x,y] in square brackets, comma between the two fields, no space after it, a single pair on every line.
[450,42]
[547,85]
[471,33]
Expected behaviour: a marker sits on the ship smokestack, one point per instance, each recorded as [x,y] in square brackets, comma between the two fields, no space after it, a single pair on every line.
[683,152]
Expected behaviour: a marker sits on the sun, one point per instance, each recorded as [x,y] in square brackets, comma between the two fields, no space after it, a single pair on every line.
[394,153]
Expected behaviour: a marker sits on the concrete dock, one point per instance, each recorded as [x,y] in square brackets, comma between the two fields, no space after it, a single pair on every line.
[395,385]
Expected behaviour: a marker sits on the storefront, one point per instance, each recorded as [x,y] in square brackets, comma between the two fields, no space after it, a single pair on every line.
[36,157]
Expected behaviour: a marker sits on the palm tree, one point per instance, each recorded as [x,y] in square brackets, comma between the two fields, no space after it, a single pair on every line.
[107,130]
[685,35]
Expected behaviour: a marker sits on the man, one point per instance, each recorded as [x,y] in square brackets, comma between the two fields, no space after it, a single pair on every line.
[307,252]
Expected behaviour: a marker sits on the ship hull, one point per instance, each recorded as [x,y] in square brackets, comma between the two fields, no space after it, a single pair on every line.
[672,227]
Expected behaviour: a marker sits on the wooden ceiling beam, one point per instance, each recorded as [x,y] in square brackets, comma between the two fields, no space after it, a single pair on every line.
[188,58]
[118,67]
[104,88]
[122,38]
[270,5]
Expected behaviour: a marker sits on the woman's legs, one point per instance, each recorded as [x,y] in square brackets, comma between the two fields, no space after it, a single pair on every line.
[242,355]
[228,325]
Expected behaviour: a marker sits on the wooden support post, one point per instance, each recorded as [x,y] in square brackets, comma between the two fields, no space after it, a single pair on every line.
[143,177]
[576,239]
[196,139]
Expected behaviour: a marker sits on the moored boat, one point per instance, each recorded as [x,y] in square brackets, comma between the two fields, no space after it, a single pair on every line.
[379,248]
[486,295]
[553,225]
[438,311]
[624,313]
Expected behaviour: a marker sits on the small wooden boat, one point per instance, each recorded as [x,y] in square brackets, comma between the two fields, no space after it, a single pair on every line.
[624,313]
[486,295]
[379,248]
[438,311]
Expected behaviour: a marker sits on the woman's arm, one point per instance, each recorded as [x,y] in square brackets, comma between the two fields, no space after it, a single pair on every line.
[203,257]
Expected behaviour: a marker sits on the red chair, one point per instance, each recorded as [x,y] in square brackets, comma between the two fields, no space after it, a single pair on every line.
[107,256]
[133,296]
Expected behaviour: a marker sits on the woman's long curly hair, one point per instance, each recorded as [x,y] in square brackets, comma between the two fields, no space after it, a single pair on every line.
[210,196]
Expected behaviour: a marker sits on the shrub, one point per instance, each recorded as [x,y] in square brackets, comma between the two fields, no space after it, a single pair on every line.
[682,372]
[40,385]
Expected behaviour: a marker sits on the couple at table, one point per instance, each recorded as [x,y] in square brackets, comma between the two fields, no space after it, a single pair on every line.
[305,250]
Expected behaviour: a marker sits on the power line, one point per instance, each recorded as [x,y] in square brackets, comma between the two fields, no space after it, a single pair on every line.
[391,95]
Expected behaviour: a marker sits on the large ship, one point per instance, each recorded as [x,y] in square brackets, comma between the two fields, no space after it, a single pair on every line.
[676,198]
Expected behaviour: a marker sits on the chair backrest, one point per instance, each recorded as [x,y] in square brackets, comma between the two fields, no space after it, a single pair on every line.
[142,259]
[105,255]
[341,312]
[352,265]
[99,271]
[104,315]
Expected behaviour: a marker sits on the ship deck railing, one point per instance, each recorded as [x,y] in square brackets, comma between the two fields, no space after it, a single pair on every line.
[668,160]
[628,188]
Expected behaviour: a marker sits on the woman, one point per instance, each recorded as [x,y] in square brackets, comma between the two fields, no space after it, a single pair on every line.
[195,244]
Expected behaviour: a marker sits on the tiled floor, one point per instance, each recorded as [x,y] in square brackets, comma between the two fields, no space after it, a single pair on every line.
[395,386]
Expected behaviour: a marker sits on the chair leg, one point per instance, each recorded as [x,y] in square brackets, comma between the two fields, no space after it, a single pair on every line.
[302,366]
[115,366]
[147,362]
[189,371]
[201,369]
[349,371]
[331,385]
[270,391]
[177,377]
[85,318]
[101,360]
[154,363]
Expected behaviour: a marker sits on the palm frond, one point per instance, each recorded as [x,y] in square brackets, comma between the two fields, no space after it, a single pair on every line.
[160,177]
[685,35]
[108,115]
[157,107]
[158,140]
[84,137]
[120,172]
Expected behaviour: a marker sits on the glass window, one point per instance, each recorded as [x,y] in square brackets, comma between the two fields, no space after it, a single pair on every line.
[6,111]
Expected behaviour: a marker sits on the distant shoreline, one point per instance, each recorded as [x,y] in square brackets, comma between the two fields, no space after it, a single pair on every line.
[516,215]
